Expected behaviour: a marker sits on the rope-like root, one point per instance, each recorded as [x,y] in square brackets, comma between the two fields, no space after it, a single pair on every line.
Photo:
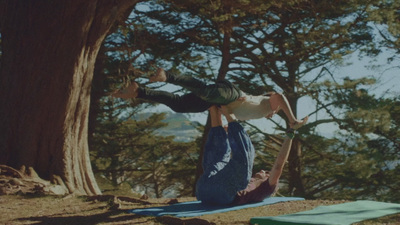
[26,181]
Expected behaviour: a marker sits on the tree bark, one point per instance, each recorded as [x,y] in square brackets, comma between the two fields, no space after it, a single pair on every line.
[48,55]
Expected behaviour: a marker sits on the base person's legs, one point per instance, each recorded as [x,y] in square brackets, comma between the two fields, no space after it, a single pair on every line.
[216,184]
[217,150]
[242,148]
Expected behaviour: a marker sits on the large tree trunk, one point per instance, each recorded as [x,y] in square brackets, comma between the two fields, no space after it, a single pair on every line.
[48,54]
[296,186]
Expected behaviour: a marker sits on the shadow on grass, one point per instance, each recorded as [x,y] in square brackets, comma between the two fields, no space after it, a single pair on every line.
[112,216]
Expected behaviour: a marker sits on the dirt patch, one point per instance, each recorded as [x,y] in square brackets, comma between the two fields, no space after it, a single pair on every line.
[16,209]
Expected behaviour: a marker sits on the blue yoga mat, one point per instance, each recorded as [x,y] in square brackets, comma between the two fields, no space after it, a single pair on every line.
[340,214]
[196,208]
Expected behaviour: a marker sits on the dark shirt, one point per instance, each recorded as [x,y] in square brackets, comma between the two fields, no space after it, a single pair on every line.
[257,190]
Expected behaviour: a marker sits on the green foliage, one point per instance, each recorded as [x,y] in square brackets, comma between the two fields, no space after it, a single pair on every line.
[128,151]
[385,13]
[108,188]
[262,46]
[366,153]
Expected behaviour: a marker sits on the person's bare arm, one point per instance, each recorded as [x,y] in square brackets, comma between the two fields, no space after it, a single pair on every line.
[282,157]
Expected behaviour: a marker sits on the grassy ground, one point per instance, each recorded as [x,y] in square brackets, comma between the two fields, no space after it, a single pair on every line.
[15,209]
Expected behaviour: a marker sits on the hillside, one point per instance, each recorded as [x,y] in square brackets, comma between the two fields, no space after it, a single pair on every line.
[179,126]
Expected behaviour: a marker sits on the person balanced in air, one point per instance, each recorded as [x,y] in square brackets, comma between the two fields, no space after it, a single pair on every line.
[202,96]
[228,163]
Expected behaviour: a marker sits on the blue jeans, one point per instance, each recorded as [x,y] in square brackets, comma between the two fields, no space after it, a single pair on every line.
[227,163]
[202,95]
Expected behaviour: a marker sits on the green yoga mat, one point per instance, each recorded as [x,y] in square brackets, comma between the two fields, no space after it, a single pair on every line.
[341,214]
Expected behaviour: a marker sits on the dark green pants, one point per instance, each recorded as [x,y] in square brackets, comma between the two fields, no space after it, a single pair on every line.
[200,98]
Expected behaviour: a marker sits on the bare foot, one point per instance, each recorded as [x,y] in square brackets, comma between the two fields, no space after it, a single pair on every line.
[296,125]
[129,92]
[159,76]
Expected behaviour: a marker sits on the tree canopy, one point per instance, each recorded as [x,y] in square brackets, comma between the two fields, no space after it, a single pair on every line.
[292,47]
[288,47]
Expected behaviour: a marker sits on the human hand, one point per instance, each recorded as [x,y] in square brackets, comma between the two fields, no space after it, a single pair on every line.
[228,115]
